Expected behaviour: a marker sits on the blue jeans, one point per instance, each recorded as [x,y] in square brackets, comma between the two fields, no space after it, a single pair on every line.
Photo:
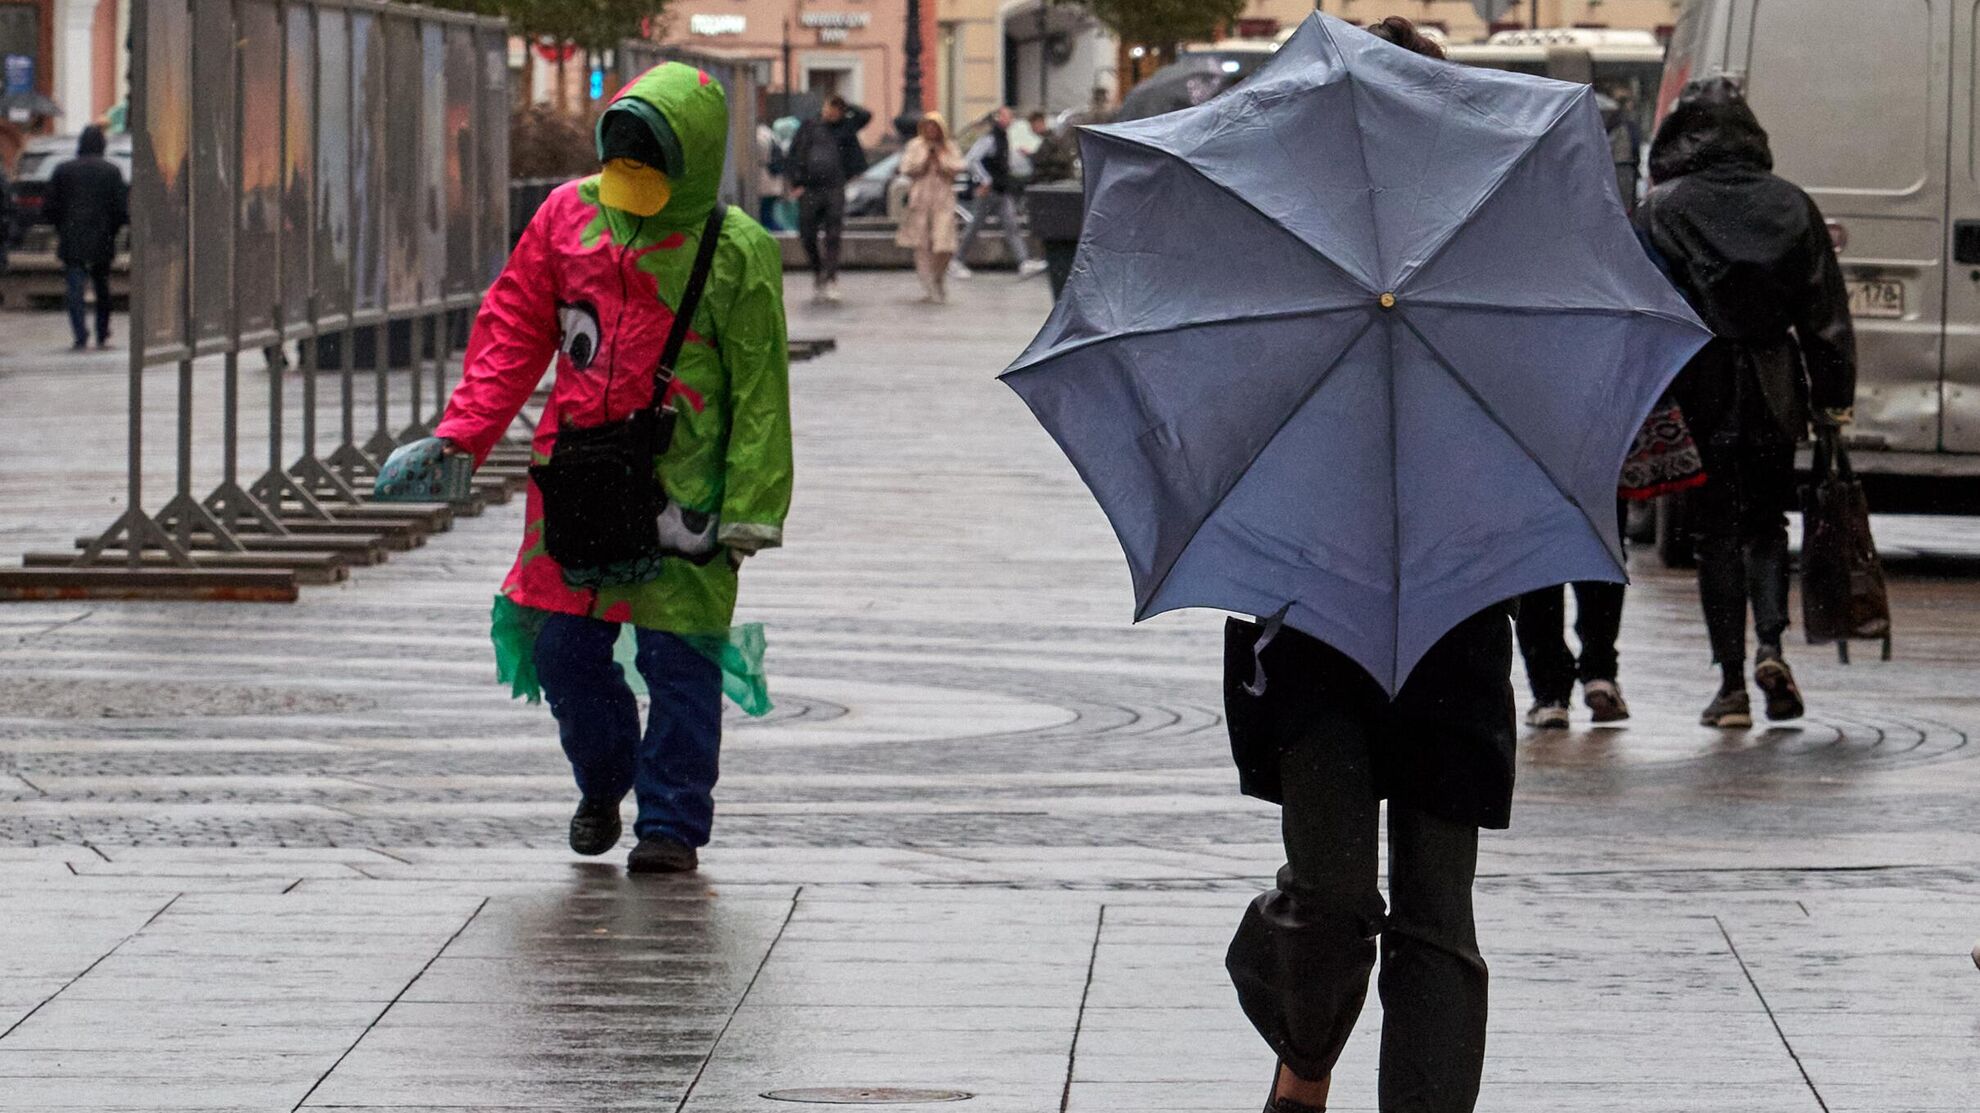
[672,765]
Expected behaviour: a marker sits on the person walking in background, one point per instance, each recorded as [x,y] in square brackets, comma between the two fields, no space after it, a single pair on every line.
[88,204]
[770,171]
[1752,254]
[997,190]
[931,163]
[1552,668]
[1057,155]
[824,156]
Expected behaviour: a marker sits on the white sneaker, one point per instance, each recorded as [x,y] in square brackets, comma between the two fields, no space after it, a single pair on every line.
[832,292]
[958,270]
[1031,268]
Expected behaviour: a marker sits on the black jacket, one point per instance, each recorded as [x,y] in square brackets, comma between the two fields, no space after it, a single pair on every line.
[1752,255]
[1444,745]
[87,205]
[815,138]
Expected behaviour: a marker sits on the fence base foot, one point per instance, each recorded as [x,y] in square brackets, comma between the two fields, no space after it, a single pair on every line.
[189,584]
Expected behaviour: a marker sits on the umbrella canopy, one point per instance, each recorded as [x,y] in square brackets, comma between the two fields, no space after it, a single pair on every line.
[1184,83]
[1364,341]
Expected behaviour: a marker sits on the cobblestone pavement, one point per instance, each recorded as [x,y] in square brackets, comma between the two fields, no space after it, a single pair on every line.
[309,856]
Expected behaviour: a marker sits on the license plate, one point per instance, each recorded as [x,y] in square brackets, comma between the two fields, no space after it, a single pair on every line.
[1876,297]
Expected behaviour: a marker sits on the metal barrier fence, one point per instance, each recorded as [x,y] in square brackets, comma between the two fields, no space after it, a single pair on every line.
[304,170]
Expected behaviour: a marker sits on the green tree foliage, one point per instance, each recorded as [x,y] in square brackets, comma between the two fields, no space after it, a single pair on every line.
[597,25]
[1163,23]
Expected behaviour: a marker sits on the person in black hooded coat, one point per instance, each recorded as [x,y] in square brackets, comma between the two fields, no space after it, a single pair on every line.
[88,205]
[1752,254]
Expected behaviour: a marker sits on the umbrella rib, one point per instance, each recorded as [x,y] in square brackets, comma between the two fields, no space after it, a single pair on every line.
[1246,202]
[1562,310]
[1479,401]
[1182,326]
[1485,198]
[1291,412]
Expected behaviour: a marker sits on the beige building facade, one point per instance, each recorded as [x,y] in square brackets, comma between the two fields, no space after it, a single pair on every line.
[854,48]
[1030,54]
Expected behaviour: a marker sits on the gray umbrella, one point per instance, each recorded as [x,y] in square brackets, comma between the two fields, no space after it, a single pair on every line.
[1363,341]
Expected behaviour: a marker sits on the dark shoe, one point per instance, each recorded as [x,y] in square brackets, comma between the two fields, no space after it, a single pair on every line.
[102,342]
[1730,710]
[658,855]
[1276,1104]
[1605,700]
[595,828]
[1776,682]
[1548,715]
[79,346]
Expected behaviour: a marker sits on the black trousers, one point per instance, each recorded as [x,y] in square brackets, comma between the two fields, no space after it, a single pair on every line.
[1303,953]
[1738,523]
[1552,668]
[96,276]
[821,227]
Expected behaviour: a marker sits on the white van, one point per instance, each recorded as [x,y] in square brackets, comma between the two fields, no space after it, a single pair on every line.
[1872,108]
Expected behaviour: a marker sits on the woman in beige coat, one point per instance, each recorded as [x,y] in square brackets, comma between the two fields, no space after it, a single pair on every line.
[930,164]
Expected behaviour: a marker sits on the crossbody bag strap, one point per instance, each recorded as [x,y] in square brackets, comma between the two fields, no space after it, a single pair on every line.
[704,262]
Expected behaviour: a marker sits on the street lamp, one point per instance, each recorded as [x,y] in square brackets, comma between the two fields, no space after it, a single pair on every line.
[909,121]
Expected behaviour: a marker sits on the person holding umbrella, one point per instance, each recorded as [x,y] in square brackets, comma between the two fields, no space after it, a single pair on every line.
[1752,254]
[1383,387]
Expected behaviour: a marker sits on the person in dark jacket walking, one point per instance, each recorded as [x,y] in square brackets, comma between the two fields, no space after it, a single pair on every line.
[1752,254]
[825,154]
[1314,731]
[87,204]
[997,190]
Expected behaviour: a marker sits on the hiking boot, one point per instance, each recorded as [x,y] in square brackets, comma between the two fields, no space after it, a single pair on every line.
[658,855]
[1548,715]
[1605,699]
[1729,710]
[595,828]
[1776,682]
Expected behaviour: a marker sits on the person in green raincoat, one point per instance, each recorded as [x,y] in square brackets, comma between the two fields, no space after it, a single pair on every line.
[591,287]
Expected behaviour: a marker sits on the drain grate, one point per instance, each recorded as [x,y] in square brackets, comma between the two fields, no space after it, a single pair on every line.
[866,1095]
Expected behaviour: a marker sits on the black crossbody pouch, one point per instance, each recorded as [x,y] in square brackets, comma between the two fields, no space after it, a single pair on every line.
[601,488]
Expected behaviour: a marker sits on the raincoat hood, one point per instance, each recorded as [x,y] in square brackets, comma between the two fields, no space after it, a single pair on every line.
[688,113]
[1710,127]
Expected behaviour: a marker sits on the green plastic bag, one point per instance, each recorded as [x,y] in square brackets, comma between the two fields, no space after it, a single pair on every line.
[739,654]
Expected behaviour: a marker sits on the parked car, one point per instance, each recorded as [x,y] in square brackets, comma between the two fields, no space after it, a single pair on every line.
[31,233]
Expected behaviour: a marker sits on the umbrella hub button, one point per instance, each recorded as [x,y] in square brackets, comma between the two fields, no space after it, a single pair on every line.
[1387,300]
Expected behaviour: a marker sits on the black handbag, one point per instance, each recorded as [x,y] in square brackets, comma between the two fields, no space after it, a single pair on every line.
[1842,580]
[602,495]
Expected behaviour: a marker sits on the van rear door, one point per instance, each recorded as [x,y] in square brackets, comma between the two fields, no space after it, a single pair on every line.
[1857,109]
[1960,425]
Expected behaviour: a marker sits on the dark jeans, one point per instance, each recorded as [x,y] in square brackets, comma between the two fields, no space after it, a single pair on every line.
[1551,668]
[95,275]
[822,217]
[1303,953]
[1738,524]
[673,764]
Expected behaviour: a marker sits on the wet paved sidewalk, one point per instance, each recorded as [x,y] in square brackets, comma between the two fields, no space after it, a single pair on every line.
[270,858]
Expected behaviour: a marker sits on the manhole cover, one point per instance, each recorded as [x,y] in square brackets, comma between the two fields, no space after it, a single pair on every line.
[866,1095]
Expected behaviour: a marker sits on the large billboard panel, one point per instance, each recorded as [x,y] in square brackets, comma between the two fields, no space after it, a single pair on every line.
[336,235]
[404,194]
[368,153]
[161,186]
[214,131]
[298,161]
[458,134]
[258,239]
[494,97]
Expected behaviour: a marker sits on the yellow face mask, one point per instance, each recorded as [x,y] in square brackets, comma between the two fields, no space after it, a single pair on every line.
[634,187]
